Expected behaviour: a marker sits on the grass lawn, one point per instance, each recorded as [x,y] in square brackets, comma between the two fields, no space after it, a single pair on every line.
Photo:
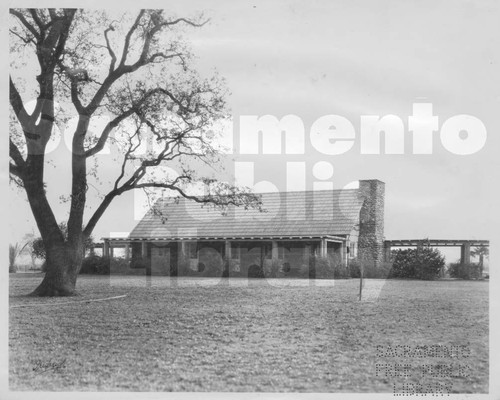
[201,334]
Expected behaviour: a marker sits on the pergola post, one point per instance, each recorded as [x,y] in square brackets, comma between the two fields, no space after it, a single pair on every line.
[105,248]
[465,253]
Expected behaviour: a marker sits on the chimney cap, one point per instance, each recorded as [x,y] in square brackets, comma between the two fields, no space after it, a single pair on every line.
[371,180]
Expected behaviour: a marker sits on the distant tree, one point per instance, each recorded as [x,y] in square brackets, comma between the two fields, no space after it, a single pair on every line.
[420,263]
[135,69]
[29,239]
[481,252]
[14,251]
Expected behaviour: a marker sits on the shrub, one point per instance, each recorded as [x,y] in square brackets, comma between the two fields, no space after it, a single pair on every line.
[323,268]
[96,265]
[330,267]
[354,268]
[255,271]
[286,267]
[420,263]
[341,271]
[213,265]
[183,267]
[117,264]
[465,271]
[139,263]
[273,269]
[231,268]
[302,272]
[235,268]
[382,271]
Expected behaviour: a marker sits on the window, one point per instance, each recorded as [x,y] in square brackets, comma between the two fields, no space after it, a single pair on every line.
[353,250]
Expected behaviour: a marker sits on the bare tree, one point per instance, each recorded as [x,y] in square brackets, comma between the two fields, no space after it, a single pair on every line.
[137,69]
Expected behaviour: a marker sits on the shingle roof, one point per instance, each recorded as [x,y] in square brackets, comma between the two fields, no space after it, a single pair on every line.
[308,213]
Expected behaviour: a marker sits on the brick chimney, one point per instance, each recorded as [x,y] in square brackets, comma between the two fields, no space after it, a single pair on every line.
[371,226]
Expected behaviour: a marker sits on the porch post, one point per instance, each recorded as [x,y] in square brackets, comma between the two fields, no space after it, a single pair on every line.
[127,251]
[274,251]
[111,252]
[307,252]
[323,248]
[227,249]
[182,250]
[308,260]
[144,250]
[345,256]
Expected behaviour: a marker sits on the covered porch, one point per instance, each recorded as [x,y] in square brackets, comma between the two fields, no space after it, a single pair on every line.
[242,256]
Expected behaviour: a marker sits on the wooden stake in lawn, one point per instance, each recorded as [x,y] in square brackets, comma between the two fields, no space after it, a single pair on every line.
[361,280]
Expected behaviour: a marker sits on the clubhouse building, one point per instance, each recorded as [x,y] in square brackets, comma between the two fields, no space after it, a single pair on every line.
[293,229]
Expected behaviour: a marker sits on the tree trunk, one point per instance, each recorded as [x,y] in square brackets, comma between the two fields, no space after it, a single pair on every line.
[63,260]
[63,265]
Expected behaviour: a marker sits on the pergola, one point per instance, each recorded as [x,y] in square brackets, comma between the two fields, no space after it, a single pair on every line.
[464,245]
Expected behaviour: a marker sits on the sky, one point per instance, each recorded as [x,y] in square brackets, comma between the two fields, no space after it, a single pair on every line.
[350,59]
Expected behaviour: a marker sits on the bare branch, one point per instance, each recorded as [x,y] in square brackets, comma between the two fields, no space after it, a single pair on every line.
[74,97]
[69,15]
[122,69]
[16,101]
[25,40]
[26,24]
[111,125]
[52,13]
[110,50]
[15,154]
[126,157]
[128,37]
[187,21]
[235,197]
[15,170]
[170,95]
[106,131]
[89,227]
[37,20]
[164,56]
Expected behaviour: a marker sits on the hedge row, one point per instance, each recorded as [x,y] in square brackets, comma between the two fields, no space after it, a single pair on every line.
[321,268]
[422,263]
[465,271]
